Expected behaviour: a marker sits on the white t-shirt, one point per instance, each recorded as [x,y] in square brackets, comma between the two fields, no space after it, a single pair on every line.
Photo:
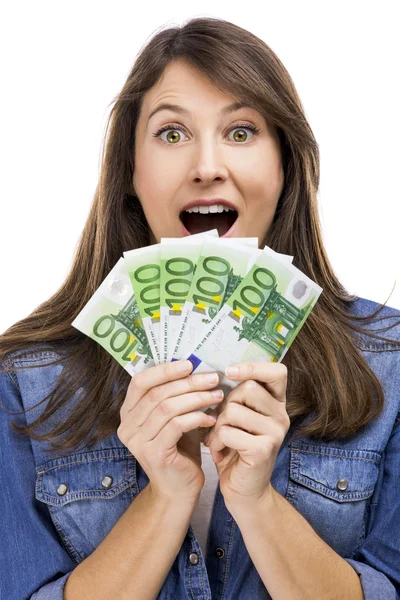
[201,516]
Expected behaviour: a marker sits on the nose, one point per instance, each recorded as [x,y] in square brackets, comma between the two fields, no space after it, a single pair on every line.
[208,161]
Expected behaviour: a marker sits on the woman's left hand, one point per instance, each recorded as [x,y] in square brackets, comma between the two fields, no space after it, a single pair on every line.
[251,425]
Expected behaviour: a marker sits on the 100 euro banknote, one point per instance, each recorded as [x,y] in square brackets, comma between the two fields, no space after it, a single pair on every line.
[143,265]
[261,319]
[111,318]
[178,260]
[221,265]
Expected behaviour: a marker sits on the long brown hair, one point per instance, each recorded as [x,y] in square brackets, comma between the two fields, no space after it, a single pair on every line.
[328,377]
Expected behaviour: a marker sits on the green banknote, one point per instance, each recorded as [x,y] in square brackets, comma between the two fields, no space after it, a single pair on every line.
[111,318]
[143,265]
[222,264]
[178,263]
[260,320]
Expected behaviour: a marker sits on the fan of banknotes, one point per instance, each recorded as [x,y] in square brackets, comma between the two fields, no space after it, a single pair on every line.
[215,301]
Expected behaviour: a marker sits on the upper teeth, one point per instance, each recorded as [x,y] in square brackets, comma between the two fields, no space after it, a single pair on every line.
[209,209]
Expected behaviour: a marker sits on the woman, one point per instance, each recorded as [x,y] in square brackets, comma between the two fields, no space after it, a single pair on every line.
[306,454]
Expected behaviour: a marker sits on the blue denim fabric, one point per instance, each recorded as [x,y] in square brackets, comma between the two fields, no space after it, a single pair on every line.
[45,534]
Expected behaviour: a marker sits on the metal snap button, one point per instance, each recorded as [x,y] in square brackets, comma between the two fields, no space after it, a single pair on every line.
[62,489]
[220,553]
[194,558]
[342,485]
[107,481]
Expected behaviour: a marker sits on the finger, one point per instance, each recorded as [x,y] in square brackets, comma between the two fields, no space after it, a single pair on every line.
[169,436]
[172,389]
[172,408]
[236,439]
[239,416]
[242,417]
[142,382]
[272,375]
[245,419]
[152,421]
[254,395]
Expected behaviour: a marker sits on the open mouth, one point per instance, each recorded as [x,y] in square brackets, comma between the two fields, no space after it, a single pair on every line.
[196,222]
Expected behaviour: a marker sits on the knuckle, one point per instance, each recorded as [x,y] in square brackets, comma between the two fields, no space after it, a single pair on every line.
[136,382]
[221,433]
[265,451]
[276,440]
[158,456]
[165,407]
[249,386]
[231,409]
[285,421]
[282,416]
[191,381]
[283,369]
[176,423]
[153,394]
[270,447]
[132,385]
[120,434]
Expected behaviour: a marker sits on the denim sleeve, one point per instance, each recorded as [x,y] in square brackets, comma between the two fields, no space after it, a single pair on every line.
[34,564]
[377,560]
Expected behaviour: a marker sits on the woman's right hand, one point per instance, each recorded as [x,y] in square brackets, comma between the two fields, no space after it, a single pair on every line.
[160,407]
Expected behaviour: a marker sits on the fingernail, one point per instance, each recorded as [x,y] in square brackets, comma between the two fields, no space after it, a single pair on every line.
[217,393]
[183,365]
[206,438]
[232,371]
[211,377]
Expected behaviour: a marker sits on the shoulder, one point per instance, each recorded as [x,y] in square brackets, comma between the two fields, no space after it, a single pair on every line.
[382,356]
[383,324]
[28,361]
[31,373]
[33,353]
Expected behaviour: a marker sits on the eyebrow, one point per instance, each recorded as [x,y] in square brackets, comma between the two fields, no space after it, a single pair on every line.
[183,111]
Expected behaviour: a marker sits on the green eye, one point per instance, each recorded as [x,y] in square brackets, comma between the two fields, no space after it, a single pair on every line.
[172,140]
[241,132]
[174,136]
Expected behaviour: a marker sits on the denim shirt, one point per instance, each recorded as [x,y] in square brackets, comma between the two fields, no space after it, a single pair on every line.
[56,509]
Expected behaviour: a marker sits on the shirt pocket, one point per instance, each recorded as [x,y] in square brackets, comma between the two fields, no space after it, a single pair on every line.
[86,493]
[332,487]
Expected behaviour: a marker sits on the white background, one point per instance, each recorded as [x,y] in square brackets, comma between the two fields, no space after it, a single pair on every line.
[63,63]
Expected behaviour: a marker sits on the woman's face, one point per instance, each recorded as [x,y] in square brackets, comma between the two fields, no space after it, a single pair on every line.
[206,158]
